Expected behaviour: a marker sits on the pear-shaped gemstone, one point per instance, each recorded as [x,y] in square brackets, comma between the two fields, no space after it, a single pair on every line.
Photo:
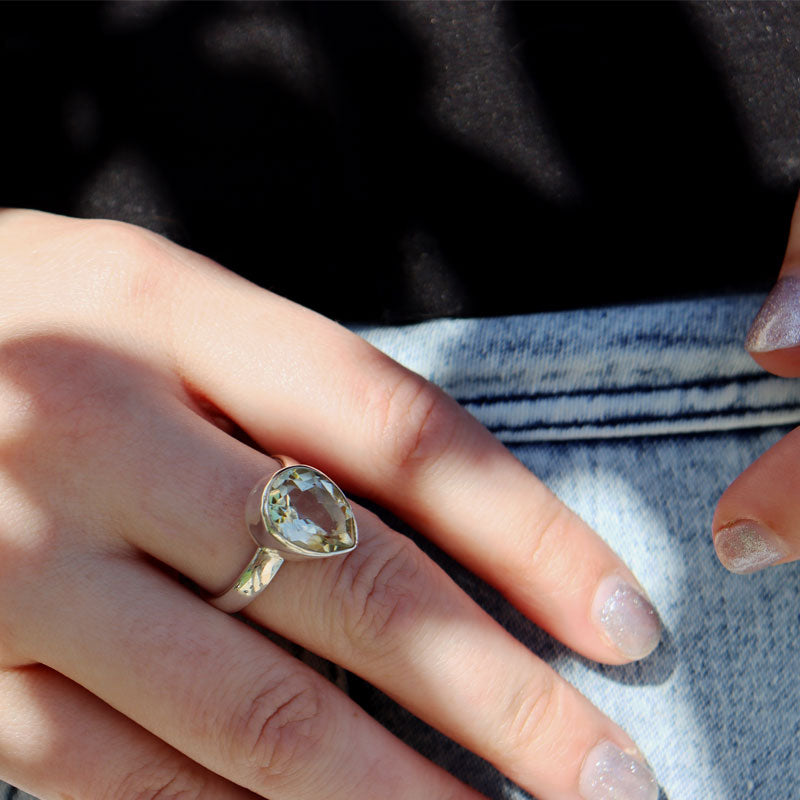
[307,509]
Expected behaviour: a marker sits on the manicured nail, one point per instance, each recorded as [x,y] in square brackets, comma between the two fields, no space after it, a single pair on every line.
[627,617]
[747,546]
[777,324]
[611,774]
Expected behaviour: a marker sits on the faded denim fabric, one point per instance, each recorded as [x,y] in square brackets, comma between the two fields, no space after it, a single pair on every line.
[638,418]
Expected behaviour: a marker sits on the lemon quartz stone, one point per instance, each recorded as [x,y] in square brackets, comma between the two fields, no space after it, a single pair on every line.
[307,509]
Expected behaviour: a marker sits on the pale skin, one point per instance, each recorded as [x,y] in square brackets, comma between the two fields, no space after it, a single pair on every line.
[130,369]
[126,365]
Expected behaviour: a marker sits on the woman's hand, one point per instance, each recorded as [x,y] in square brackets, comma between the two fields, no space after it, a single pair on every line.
[757,521]
[130,370]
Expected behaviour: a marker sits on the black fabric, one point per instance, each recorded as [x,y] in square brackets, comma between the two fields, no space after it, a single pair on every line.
[396,161]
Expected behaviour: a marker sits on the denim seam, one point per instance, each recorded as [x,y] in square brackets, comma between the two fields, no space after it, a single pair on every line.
[644,418]
[706,383]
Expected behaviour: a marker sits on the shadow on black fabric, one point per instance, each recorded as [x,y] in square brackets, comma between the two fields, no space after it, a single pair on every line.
[328,178]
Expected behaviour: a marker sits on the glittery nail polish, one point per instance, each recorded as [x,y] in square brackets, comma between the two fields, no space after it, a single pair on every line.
[627,617]
[777,324]
[609,773]
[746,546]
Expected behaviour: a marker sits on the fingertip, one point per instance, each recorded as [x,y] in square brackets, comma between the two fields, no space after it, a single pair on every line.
[776,327]
[613,772]
[746,546]
[626,618]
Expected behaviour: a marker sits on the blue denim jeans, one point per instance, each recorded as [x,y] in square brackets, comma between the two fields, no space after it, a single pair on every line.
[638,418]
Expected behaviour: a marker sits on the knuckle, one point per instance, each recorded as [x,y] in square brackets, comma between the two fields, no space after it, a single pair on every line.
[127,269]
[148,272]
[110,236]
[160,782]
[414,421]
[530,713]
[384,586]
[544,547]
[110,265]
[279,727]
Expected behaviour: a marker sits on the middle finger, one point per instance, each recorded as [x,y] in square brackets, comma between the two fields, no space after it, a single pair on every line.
[385,611]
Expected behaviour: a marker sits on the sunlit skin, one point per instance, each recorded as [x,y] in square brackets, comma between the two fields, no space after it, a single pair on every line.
[141,387]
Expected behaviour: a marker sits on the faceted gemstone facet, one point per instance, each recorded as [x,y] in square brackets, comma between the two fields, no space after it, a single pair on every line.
[306,508]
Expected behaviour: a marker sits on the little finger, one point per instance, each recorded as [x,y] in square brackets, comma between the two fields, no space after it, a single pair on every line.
[218,691]
[44,716]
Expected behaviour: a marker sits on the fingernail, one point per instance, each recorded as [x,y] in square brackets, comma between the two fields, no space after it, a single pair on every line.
[609,773]
[746,546]
[777,324]
[627,617]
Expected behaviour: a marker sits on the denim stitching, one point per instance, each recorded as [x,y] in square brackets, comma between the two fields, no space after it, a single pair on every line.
[706,383]
[643,419]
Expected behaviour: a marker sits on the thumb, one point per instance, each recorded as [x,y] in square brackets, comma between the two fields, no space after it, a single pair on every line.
[774,337]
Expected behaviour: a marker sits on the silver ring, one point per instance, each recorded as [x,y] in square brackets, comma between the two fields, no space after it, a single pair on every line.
[297,512]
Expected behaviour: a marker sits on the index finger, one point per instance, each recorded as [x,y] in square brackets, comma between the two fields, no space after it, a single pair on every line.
[307,386]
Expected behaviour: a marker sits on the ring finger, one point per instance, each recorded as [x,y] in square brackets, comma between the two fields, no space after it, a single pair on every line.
[385,611]
[75,597]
